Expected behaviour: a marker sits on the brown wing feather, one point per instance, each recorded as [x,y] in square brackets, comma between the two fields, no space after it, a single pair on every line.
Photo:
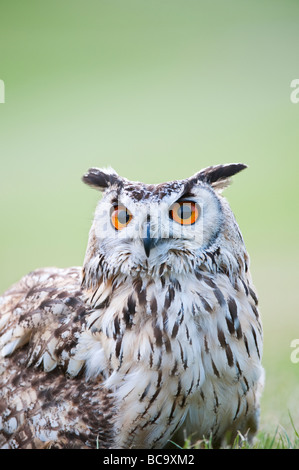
[41,405]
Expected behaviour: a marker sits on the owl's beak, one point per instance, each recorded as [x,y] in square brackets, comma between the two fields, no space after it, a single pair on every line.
[148,242]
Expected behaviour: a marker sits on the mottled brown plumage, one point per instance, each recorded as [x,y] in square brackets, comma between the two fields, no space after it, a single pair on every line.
[158,337]
[40,405]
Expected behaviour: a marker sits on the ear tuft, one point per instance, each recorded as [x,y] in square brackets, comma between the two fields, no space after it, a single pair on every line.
[219,176]
[101,179]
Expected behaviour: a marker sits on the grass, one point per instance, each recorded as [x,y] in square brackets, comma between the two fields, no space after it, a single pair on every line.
[280,439]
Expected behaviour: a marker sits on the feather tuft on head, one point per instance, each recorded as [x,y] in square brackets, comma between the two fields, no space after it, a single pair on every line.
[101,179]
[218,176]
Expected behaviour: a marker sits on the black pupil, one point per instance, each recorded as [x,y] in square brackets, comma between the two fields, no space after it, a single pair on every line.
[185,211]
[123,217]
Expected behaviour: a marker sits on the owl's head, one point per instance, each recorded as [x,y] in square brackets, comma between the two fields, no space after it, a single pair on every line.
[176,226]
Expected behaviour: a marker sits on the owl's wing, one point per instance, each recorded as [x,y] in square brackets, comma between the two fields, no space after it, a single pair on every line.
[44,401]
[45,309]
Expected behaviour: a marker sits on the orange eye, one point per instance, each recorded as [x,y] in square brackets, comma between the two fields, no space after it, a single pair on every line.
[120,217]
[184,212]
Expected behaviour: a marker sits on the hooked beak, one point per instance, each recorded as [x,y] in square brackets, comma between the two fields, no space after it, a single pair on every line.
[148,242]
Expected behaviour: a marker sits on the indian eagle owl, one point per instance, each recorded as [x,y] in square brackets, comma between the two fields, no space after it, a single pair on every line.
[158,337]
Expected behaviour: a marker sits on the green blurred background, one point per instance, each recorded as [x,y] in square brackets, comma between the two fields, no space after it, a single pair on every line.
[158,89]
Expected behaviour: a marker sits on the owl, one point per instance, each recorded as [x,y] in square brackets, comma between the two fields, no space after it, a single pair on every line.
[157,338]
